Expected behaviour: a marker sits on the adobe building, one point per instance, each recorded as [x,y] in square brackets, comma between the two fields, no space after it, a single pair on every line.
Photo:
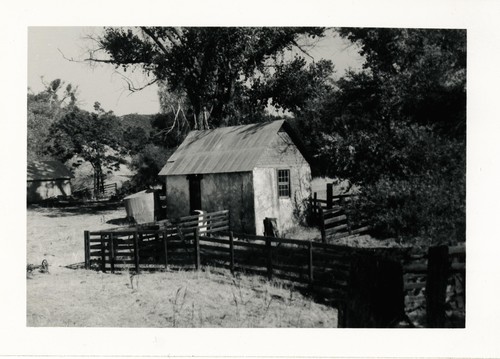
[255,171]
[47,179]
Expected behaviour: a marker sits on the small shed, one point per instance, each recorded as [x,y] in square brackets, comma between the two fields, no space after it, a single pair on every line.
[47,179]
[255,171]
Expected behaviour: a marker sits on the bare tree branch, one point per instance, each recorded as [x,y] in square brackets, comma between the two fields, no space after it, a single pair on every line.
[67,58]
[90,59]
[178,32]
[131,86]
[155,39]
[303,50]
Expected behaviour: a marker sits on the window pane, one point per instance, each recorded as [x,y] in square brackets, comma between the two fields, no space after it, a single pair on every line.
[284,183]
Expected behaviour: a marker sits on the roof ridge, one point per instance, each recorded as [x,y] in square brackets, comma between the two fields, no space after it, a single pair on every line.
[224,149]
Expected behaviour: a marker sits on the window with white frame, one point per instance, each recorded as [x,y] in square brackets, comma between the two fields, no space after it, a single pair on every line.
[284,183]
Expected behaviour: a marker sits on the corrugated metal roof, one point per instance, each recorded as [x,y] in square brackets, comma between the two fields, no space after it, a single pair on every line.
[227,149]
[47,170]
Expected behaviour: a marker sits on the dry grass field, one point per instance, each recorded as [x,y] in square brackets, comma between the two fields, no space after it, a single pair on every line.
[210,298]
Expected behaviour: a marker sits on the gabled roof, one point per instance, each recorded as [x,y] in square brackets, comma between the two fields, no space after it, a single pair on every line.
[47,170]
[221,150]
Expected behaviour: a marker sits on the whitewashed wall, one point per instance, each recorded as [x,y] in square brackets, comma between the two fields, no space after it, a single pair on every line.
[282,154]
[40,190]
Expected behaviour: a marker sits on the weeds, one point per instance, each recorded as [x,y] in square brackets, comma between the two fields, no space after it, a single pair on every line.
[132,277]
[177,306]
[267,306]
[235,301]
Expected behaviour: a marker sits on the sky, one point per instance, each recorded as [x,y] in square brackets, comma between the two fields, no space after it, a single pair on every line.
[58,52]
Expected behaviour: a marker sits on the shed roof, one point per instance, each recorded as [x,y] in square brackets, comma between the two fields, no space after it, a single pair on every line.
[221,150]
[47,170]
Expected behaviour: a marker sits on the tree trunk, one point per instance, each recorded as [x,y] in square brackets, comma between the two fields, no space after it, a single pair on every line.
[98,179]
[102,181]
[94,180]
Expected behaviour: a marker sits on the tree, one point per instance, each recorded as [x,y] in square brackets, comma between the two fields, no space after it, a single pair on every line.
[301,89]
[148,163]
[295,85]
[420,74]
[95,137]
[44,108]
[135,139]
[397,130]
[213,68]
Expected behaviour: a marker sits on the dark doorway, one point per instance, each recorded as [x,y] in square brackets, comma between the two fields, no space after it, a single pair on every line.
[194,192]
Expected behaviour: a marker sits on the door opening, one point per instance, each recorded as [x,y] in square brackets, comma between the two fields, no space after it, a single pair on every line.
[194,192]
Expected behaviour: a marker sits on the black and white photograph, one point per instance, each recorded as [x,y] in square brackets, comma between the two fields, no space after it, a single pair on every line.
[316,177]
[267,185]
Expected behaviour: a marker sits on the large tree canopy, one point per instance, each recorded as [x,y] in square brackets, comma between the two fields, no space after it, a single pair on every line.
[397,129]
[44,108]
[419,74]
[413,83]
[95,137]
[214,68]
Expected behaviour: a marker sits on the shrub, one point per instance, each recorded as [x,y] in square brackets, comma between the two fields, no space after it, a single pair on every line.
[425,207]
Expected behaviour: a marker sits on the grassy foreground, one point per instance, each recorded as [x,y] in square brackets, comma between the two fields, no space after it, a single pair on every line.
[209,298]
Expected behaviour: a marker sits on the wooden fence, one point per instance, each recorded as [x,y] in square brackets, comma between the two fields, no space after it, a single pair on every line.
[318,204]
[334,223]
[105,191]
[322,269]
[108,190]
[434,280]
[331,217]
[150,246]
[319,268]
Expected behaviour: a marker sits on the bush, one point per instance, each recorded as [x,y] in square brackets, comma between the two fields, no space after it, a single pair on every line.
[148,164]
[425,207]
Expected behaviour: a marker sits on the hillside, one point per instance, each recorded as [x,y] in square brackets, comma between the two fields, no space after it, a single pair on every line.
[137,120]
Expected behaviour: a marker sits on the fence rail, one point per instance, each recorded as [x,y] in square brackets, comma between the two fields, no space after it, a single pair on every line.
[109,190]
[335,223]
[429,275]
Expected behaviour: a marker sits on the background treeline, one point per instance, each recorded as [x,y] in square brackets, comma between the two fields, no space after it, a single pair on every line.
[396,129]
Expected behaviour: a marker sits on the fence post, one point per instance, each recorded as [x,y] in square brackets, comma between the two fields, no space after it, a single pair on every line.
[136,252]
[86,236]
[269,258]
[329,195]
[343,204]
[112,252]
[231,252]
[270,227]
[103,254]
[437,276]
[165,248]
[315,207]
[374,295]
[322,225]
[196,249]
[310,266]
